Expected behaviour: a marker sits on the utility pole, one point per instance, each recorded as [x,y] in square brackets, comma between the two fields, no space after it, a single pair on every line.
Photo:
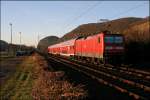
[10,49]
[20,40]
[10,32]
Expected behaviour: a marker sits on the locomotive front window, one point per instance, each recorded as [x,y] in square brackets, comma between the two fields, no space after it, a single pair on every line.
[113,39]
[118,39]
[109,39]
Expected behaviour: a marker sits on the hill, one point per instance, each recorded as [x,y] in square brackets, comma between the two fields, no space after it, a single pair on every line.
[121,26]
[115,26]
[138,31]
[45,42]
[137,37]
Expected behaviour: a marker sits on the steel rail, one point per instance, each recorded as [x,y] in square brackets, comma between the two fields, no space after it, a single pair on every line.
[115,80]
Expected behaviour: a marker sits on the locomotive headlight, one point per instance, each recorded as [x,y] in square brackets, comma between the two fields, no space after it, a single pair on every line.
[108,47]
[120,48]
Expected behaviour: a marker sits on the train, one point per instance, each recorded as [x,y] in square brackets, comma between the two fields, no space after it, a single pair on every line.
[103,47]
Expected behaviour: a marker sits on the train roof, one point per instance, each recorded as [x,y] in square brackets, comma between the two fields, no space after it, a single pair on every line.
[71,42]
[105,33]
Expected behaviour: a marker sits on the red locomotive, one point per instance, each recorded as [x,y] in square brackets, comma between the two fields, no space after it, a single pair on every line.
[102,47]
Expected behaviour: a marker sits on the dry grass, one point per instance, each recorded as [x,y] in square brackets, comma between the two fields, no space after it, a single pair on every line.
[8,66]
[19,84]
[52,85]
[30,79]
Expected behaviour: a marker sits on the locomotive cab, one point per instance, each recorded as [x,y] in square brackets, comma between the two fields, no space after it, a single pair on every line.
[113,48]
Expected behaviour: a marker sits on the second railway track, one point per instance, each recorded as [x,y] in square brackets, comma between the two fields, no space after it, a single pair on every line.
[132,82]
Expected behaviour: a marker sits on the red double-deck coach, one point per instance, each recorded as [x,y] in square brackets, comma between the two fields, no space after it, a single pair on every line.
[63,48]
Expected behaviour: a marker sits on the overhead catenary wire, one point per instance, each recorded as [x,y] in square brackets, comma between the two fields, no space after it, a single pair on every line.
[95,5]
[83,13]
[128,10]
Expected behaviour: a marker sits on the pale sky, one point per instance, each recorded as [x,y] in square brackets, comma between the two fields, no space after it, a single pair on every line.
[57,18]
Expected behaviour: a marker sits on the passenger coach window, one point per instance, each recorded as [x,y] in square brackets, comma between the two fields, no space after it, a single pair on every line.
[99,40]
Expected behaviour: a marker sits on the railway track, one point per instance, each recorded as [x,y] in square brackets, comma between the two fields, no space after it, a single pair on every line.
[133,82]
[122,72]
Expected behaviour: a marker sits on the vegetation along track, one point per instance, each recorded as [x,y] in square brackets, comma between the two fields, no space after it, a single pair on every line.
[133,82]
